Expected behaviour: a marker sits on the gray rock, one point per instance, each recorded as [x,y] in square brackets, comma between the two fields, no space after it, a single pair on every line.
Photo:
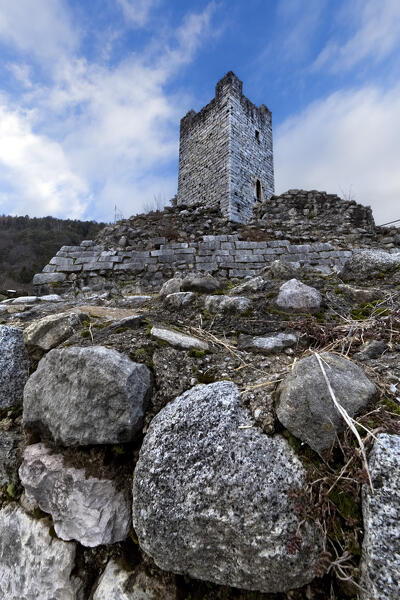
[368,264]
[171,286]
[118,584]
[85,396]
[201,283]
[14,366]
[267,345]
[305,406]
[50,298]
[136,301]
[179,299]
[295,295]
[177,339]
[10,456]
[380,562]
[26,300]
[211,496]
[238,304]
[371,349]
[33,564]
[281,269]
[50,331]
[89,510]
[44,278]
[256,284]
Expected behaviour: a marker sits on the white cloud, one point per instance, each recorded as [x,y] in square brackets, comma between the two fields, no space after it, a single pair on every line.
[348,141]
[109,129]
[39,28]
[137,12]
[35,171]
[376,35]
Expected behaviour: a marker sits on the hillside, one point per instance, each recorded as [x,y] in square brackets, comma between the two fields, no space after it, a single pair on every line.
[27,244]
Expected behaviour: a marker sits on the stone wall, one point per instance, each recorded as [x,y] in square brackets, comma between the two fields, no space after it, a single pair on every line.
[225,149]
[223,255]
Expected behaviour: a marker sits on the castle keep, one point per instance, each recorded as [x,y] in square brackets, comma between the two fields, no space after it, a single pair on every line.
[225,154]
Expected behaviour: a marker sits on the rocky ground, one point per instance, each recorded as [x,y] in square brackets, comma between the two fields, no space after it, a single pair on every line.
[215,440]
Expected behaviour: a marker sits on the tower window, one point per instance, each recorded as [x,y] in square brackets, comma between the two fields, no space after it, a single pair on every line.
[257,135]
[258,191]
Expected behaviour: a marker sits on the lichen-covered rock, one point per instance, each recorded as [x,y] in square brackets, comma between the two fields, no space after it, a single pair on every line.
[201,283]
[172,286]
[33,564]
[368,264]
[10,456]
[380,563]
[305,406]
[50,331]
[87,509]
[85,396]
[268,344]
[179,299]
[14,366]
[295,295]
[255,284]
[281,269]
[177,339]
[118,584]
[212,496]
[239,304]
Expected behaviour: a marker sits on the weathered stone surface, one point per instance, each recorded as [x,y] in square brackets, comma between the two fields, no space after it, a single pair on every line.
[380,563]
[13,366]
[50,331]
[118,584]
[171,286]
[179,299]
[136,301]
[50,298]
[368,264]
[238,304]
[87,396]
[267,345]
[10,456]
[25,300]
[177,339]
[371,349]
[201,283]
[33,564]
[281,269]
[295,295]
[43,278]
[89,510]
[211,496]
[305,406]
[255,284]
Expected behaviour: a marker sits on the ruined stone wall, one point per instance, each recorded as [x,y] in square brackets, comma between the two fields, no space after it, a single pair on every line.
[224,150]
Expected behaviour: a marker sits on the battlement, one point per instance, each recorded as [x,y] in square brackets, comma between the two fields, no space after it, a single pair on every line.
[225,154]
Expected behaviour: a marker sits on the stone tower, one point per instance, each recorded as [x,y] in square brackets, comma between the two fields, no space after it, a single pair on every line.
[225,153]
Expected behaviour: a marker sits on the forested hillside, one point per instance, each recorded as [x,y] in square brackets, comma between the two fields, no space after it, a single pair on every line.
[27,244]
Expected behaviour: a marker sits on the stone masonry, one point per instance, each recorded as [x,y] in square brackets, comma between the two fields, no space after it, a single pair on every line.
[225,155]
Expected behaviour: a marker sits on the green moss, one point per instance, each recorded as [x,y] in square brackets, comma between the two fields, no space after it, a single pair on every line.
[55,284]
[85,333]
[198,353]
[338,292]
[11,490]
[140,354]
[366,309]
[121,329]
[118,450]
[391,405]
[348,506]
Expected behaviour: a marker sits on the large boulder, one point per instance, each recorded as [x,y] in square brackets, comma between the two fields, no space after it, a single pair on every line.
[50,331]
[305,406]
[171,286]
[85,396]
[296,296]
[212,496]
[14,366]
[380,563]
[369,264]
[90,510]
[33,564]
[116,583]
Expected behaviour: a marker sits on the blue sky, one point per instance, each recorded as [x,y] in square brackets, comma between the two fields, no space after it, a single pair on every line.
[92,93]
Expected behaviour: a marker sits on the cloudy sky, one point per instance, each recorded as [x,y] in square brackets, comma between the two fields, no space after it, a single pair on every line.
[92,93]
